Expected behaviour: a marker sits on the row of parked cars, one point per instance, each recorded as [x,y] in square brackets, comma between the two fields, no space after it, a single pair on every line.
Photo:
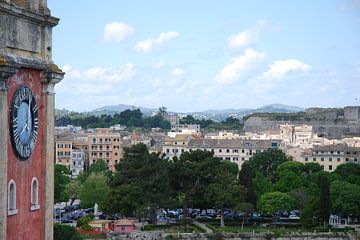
[208,214]
[71,213]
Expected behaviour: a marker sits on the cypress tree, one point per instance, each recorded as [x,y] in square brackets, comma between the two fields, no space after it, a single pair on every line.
[246,179]
[325,202]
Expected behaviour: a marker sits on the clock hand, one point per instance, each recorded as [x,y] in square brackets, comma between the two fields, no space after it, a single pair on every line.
[29,113]
[24,128]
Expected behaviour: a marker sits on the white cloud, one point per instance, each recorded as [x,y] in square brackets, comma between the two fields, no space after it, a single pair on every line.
[238,66]
[177,72]
[151,44]
[247,36]
[276,72]
[101,74]
[117,31]
[159,64]
[71,72]
[279,68]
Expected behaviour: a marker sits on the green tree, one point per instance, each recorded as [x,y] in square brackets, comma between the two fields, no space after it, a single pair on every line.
[62,232]
[267,162]
[261,185]
[290,176]
[310,213]
[61,179]
[225,191]
[272,202]
[302,197]
[345,198]
[94,190]
[101,166]
[125,199]
[349,172]
[72,190]
[146,171]
[190,176]
[325,201]
[246,176]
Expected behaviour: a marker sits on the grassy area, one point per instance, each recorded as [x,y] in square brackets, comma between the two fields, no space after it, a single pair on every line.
[173,228]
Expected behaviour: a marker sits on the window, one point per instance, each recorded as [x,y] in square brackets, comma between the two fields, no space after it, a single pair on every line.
[227,150]
[330,167]
[330,159]
[243,150]
[94,140]
[314,159]
[322,159]
[12,210]
[355,159]
[220,150]
[338,159]
[227,158]
[306,159]
[34,194]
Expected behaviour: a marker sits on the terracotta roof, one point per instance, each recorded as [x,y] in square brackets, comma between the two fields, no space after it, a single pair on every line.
[124,222]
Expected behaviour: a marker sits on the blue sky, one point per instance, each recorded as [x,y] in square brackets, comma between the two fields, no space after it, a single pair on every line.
[198,55]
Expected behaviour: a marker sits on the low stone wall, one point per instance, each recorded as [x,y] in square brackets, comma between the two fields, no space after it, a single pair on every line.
[233,236]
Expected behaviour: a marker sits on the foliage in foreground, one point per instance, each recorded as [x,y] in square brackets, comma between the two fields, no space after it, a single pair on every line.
[65,232]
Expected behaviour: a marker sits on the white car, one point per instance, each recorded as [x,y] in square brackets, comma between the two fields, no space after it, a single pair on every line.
[293,216]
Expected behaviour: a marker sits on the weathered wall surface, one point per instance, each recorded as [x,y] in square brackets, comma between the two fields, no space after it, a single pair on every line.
[22,172]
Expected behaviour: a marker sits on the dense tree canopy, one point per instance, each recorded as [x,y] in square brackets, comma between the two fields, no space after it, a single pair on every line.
[61,179]
[147,175]
[272,202]
[267,163]
[94,190]
[345,198]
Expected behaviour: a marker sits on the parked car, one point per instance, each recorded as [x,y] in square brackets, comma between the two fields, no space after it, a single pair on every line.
[293,216]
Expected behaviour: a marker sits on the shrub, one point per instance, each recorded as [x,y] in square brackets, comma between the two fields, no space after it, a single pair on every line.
[65,232]
[83,223]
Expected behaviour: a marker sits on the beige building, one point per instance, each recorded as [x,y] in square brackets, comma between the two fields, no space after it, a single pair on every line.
[71,150]
[234,150]
[331,156]
[63,149]
[105,144]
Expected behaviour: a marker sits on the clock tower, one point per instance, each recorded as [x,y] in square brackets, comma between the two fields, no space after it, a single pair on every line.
[27,100]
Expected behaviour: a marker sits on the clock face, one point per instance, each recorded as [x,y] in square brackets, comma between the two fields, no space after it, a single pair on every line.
[24,122]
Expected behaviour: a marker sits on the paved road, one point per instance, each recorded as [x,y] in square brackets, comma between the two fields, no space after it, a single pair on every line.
[203,226]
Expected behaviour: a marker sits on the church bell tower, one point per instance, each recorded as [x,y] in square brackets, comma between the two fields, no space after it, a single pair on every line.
[27,79]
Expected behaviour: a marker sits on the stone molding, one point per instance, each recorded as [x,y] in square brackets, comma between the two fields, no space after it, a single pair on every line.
[8,68]
[51,77]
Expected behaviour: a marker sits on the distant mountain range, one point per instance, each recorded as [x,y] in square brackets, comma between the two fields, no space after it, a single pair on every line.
[216,115]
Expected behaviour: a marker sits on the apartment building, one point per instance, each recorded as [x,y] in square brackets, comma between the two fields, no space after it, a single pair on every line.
[63,149]
[105,144]
[77,162]
[234,150]
[331,156]
[71,150]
